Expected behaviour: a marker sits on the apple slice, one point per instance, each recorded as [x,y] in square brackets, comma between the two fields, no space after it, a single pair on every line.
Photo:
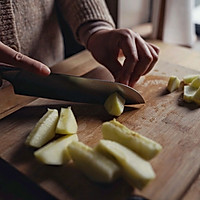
[189,78]
[188,93]
[196,97]
[94,165]
[137,171]
[44,130]
[114,104]
[56,153]
[173,83]
[143,146]
[67,122]
[195,83]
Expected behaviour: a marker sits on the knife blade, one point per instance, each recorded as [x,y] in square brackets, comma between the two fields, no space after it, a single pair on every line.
[67,87]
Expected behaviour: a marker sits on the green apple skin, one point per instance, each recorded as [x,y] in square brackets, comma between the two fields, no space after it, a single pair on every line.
[196,97]
[56,153]
[114,104]
[67,123]
[137,171]
[93,164]
[195,83]
[143,146]
[44,129]
[189,78]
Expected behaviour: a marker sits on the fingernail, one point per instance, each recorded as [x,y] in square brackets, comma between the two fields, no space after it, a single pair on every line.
[45,70]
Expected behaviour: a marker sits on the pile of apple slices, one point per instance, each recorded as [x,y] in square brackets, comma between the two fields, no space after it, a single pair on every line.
[191,88]
[53,153]
[121,152]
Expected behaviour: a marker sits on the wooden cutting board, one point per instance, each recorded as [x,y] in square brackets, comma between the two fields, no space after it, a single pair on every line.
[164,118]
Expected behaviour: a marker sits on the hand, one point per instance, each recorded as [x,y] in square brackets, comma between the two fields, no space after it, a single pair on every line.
[11,57]
[140,56]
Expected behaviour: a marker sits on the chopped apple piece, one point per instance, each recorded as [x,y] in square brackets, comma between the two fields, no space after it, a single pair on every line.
[173,83]
[196,97]
[67,122]
[188,93]
[114,104]
[195,83]
[56,153]
[189,78]
[137,171]
[94,165]
[143,146]
[44,130]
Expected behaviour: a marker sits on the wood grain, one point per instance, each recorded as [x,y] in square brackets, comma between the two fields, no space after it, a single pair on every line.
[164,118]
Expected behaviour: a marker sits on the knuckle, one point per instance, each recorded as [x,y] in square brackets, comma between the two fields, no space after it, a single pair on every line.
[18,56]
[147,58]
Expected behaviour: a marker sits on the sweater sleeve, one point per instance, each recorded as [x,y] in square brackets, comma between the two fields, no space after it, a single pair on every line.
[80,12]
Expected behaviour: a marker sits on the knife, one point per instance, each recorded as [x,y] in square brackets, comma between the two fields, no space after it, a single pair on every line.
[67,87]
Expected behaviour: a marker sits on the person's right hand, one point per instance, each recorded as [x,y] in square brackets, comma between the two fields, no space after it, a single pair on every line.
[8,56]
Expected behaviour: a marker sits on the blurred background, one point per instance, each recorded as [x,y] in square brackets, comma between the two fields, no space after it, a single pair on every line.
[176,22]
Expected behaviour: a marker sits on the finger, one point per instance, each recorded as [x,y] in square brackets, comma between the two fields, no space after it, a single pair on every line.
[129,49]
[155,59]
[16,59]
[156,48]
[145,59]
[114,66]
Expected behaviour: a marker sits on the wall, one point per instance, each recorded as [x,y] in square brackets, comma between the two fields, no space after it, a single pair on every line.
[133,12]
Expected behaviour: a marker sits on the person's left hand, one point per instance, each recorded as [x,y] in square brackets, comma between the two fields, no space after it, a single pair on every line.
[140,56]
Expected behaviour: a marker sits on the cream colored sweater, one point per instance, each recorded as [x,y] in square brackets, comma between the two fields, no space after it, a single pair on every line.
[31,26]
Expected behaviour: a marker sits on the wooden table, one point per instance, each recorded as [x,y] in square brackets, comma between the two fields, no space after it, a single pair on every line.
[21,122]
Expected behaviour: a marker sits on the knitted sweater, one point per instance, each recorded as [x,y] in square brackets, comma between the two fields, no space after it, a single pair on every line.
[31,27]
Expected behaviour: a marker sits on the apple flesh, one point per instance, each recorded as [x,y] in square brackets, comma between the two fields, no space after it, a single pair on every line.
[94,165]
[56,153]
[137,171]
[44,130]
[67,122]
[173,83]
[114,104]
[188,93]
[143,146]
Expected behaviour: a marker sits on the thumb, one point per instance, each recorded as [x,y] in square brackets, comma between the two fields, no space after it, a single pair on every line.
[16,59]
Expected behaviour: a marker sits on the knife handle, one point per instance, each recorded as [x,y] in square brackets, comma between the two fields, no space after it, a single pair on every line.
[9,73]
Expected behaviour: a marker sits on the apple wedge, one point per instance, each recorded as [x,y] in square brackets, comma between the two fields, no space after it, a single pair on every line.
[188,93]
[196,97]
[137,171]
[173,83]
[189,78]
[94,165]
[195,83]
[67,122]
[56,153]
[44,130]
[114,104]
[143,146]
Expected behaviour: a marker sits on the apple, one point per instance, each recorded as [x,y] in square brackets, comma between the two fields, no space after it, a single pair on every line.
[196,97]
[189,78]
[94,165]
[114,104]
[173,83]
[44,129]
[137,171]
[56,153]
[67,122]
[188,93]
[195,83]
[143,146]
